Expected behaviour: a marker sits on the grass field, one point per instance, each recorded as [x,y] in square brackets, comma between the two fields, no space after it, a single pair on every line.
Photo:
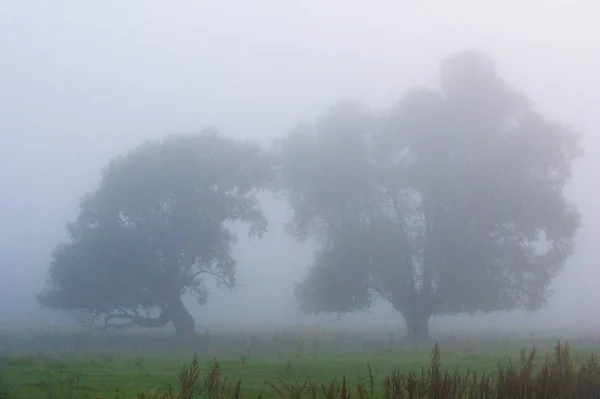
[35,364]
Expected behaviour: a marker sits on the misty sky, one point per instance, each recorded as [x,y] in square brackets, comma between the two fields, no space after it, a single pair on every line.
[81,81]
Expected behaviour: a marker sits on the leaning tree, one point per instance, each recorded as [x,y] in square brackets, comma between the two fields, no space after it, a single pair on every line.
[155,229]
[450,203]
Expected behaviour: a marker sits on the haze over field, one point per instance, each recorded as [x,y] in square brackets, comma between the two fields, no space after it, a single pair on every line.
[81,83]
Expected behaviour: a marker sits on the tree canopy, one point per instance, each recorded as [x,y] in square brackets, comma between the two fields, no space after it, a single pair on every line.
[452,202]
[155,229]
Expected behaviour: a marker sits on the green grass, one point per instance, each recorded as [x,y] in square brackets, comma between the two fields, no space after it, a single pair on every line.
[76,366]
[101,377]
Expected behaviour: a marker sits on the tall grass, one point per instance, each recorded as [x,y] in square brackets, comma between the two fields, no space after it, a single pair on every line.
[557,377]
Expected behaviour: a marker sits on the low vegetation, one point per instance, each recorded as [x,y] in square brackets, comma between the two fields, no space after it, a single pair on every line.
[558,377]
[293,364]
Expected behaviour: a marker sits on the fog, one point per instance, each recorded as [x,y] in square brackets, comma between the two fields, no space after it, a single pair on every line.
[83,82]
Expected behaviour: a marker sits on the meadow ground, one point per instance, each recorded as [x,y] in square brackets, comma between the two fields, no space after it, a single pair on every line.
[75,364]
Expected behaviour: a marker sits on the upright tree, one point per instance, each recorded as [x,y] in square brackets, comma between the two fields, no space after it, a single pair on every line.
[155,228]
[451,203]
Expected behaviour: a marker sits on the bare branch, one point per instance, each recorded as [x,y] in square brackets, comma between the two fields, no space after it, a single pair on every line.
[339,317]
[220,279]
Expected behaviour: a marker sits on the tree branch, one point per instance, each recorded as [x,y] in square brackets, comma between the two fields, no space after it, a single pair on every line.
[133,320]
[220,279]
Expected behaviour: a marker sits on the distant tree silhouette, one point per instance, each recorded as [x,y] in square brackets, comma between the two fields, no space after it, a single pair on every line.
[451,203]
[154,230]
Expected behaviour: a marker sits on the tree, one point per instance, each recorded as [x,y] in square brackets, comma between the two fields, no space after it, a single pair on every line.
[450,203]
[155,229]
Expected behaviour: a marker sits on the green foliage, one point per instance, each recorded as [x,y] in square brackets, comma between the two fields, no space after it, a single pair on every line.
[155,228]
[450,203]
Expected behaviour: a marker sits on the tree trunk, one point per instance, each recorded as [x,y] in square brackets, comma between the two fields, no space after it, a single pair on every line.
[416,309]
[417,326]
[180,317]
